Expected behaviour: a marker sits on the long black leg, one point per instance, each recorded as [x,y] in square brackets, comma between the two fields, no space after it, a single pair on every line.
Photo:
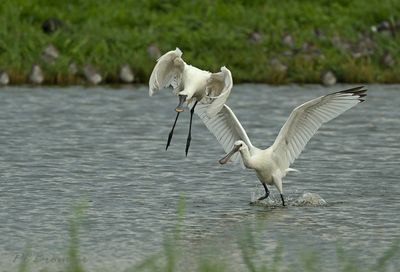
[266,192]
[189,138]
[172,131]
[283,201]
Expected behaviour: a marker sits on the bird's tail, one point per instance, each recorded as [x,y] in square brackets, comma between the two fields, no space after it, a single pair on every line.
[291,170]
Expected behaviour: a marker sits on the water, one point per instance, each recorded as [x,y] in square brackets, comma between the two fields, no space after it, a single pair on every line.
[105,148]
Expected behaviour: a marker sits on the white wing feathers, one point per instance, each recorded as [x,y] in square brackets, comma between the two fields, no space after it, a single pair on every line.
[219,86]
[307,118]
[225,127]
[168,71]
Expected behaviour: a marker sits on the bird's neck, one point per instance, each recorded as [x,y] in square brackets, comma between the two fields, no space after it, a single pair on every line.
[246,156]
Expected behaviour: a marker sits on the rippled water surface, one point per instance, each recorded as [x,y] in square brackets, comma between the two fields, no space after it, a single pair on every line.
[105,148]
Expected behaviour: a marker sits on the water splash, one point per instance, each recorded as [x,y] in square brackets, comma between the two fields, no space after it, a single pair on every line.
[310,199]
[306,199]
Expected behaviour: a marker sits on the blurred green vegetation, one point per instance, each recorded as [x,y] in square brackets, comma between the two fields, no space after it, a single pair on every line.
[249,255]
[243,35]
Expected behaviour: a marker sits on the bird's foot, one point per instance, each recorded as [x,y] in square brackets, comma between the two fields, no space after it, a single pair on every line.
[257,201]
[169,140]
[262,198]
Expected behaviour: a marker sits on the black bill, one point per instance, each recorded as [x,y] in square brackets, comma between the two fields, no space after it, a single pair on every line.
[182,99]
[229,155]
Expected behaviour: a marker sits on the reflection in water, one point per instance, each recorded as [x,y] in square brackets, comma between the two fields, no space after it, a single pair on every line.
[100,146]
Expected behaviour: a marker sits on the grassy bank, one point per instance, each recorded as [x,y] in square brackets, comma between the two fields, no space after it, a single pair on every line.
[260,41]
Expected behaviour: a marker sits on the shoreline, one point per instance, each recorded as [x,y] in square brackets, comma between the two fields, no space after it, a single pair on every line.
[260,42]
[390,77]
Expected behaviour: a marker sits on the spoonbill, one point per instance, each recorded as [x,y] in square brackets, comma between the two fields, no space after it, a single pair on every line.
[192,85]
[272,164]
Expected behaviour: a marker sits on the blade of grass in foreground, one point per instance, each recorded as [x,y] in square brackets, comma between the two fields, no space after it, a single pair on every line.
[74,262]
[390,253]
[24,264]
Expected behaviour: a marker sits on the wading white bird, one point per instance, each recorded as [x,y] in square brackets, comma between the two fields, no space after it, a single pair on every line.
[272,164]
[192,85]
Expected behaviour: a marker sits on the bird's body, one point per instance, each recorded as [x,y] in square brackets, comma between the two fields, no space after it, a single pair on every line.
[272,164]
[266,165]
[192,85]
[262,162]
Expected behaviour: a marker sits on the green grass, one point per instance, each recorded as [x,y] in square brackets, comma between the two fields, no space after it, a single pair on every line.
[108,34]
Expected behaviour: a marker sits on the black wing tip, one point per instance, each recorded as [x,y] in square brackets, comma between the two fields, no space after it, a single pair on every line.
[359,91]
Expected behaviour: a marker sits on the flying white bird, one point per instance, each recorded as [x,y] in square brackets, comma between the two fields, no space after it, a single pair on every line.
[272,164]
[192,85]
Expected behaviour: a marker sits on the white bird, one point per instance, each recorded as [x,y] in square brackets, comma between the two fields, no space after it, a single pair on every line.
[272,164]
[192,85]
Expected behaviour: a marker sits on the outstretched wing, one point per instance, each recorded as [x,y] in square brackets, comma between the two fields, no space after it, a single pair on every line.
[219,86]
[167,72]
[225,127]
[307,118]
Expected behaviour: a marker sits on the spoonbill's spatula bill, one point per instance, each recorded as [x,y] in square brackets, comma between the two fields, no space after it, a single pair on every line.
[272,164]
[192,85]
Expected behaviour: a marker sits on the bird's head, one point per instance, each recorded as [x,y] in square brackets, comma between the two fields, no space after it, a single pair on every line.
[240,144]
[237,146]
